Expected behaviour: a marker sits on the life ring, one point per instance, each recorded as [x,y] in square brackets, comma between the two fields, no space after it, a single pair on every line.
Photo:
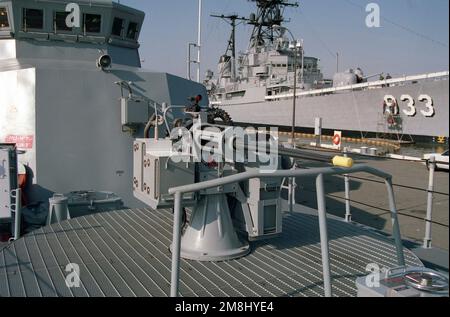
[337,139]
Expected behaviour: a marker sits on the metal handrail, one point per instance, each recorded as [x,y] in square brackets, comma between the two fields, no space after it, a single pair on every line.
[353,87]
[319,173]
[363,85]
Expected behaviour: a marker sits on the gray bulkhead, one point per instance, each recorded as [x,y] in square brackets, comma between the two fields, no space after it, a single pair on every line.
[54,94]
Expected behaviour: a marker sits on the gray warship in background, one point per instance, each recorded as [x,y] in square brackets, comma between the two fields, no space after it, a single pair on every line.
[257,87]
[61,103]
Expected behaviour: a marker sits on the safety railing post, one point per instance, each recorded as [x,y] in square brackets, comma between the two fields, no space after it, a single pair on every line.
[427,241]
[322,209]
[292,188]
[176,247]
[348,210]
[291,195]
[17,206]
[395,223]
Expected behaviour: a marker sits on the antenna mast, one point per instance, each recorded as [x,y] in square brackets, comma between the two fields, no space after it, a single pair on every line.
[269,13]
[199,40]
[231,49]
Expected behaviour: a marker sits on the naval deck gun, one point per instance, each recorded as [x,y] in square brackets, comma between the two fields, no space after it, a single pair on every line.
[231,181]
[207,151]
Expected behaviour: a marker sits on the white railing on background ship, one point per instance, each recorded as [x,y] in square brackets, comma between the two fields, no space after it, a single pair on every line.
[380,83]
[374,84]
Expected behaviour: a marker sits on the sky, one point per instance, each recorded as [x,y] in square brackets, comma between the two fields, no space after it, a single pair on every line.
[412,38]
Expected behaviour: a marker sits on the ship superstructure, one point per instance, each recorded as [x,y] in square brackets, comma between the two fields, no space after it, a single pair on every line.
[60,94]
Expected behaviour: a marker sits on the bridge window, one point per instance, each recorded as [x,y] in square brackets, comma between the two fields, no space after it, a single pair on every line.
[60,21]
[132,31]
[33,19]
[4,22]
[117,27]
[92,23]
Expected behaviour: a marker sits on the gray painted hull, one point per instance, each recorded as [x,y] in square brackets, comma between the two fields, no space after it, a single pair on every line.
[359,111]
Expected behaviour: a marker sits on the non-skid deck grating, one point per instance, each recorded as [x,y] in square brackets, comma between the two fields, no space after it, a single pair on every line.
[126,253]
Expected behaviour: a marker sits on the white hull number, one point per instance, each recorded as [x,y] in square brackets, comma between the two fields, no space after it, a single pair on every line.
[411,109]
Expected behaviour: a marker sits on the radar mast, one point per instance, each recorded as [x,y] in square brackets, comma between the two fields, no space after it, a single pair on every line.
[231,48]
[269,14]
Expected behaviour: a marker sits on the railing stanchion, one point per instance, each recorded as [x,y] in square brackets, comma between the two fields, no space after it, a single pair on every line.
[427,241]
[291,195]
[348,210]
[176,246]
[322,209]
[17,195]
[292,189]
[395,223]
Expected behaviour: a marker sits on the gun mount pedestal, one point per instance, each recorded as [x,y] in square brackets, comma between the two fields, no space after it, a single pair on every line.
[211,235]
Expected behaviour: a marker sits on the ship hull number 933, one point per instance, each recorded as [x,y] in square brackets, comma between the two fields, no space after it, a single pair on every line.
[391,106]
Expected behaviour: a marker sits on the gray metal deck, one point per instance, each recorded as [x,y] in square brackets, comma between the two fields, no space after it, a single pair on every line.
[126,253]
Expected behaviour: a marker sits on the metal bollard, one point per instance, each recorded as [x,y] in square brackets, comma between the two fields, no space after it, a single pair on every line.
[364,150]
[348,211]
[428,237]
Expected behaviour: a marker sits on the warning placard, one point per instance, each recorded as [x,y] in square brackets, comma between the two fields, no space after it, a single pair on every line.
[24,142]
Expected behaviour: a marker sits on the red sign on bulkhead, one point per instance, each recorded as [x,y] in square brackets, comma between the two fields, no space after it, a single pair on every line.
[21,141]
